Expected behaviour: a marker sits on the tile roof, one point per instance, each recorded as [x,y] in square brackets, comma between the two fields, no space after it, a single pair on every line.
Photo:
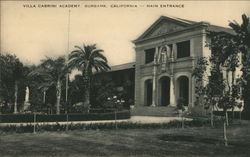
[122,66]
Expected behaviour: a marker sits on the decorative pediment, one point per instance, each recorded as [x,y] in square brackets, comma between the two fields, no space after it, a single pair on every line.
[163,28]
[164,25]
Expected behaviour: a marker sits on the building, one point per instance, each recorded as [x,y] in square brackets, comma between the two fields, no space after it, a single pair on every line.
[166,54]
[123,78]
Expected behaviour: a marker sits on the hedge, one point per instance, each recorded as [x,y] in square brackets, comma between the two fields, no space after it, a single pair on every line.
[97,126]
[19,118]
[235,114]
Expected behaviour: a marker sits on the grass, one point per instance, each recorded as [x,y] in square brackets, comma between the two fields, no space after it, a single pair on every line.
[177,142]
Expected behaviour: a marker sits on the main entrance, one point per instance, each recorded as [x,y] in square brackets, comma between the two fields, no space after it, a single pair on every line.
[164,91]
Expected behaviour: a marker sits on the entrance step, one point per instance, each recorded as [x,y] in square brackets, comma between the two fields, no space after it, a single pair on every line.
[161,111]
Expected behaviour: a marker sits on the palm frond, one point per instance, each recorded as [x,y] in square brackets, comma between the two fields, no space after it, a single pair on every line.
[81,50]
[97,54]
[103,66]
[91,59]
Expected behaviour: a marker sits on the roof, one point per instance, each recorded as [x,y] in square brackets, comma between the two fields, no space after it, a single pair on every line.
[185,24]
[162,18]
[215,28]
[188,21]
[122,66]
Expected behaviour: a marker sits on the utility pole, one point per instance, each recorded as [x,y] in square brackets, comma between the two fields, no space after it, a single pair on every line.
[67,75]
[67,60]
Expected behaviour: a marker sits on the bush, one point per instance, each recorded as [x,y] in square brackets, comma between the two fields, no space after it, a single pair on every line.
[198,111]
[19,118]
[100,126]
[235,114]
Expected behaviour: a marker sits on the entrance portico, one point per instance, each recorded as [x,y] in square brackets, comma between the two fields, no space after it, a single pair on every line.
[169,89]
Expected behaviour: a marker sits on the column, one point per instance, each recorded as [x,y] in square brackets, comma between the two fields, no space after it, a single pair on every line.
[172,92]
[154,89]
[190,88]
[154,78]
[174,52]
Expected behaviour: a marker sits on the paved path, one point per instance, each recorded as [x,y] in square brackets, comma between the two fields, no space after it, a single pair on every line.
[150,119]
[133,119]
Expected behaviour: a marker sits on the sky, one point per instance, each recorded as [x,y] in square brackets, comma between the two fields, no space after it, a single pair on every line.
[32,33]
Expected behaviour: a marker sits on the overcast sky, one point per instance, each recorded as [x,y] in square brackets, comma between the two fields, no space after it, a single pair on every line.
[33,33]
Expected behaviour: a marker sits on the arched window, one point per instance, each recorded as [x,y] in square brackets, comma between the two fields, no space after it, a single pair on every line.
[183,82]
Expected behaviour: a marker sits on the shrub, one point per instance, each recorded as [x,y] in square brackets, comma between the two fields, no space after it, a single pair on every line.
[18,118]
[99,126]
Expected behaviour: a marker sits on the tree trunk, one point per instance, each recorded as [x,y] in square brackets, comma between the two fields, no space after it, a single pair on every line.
[87,91]
[225,133]
[233,83]
[227,118]
[233,113]
[44,97]
[58,95]
[240,116]
[115,120]
[246,98]
[182,121]
[212,116]
[16,91]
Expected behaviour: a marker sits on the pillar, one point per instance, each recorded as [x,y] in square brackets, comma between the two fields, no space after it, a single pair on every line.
[172,92]
[154,78]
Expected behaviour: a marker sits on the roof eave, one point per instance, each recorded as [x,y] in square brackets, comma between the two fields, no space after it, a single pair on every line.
[199,24]
[179,21]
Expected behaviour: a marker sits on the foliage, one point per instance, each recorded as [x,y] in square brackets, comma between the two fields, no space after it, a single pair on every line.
[105,85]
[214,88]
[52,73]
[87,59]
[242,38]
[102,88]
[12,82]
[76,88]
[181,104]
[197,122]
[115,102]
[200,73]
[221,91]
[20,118]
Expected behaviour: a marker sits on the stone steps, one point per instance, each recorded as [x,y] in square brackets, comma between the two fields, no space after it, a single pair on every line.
[161,111]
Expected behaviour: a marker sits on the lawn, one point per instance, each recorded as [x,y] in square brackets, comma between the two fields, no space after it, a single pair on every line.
[196,141]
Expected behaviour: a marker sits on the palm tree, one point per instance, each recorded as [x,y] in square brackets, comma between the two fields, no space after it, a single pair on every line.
[52,71]
[88,59]
[242,39]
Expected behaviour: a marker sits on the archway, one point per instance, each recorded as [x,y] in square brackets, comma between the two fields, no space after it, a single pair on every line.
[148,92]
[164,91]
[183,82]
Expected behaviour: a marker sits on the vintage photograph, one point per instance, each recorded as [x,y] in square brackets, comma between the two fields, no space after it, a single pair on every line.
[125,78]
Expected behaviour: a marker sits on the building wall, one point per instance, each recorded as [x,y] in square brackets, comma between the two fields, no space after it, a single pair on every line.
[175,67]
[123,81]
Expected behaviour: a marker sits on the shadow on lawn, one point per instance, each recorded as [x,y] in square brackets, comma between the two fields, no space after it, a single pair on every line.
[186,138]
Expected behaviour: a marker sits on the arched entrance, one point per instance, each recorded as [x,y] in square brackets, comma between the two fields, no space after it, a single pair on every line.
[148,92]
[183,82]
[164,91]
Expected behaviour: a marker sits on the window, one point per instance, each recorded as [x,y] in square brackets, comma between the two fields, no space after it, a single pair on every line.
[183,49]
[149,55]
[170,46]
